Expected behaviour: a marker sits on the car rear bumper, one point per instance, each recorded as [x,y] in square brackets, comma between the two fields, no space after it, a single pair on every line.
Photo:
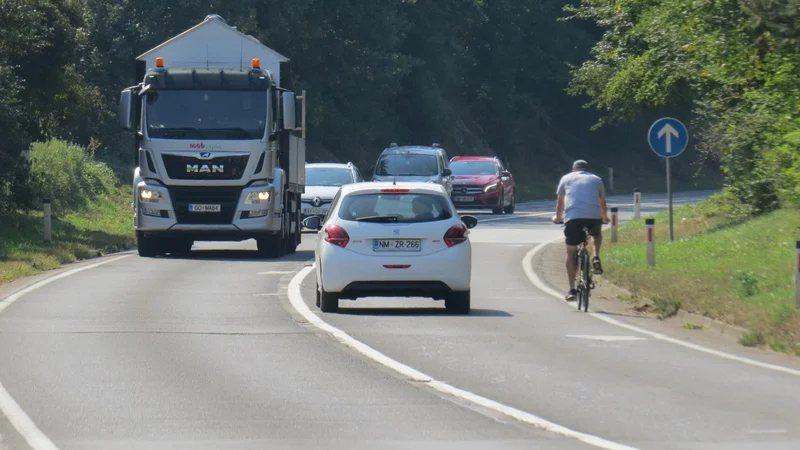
[356,275]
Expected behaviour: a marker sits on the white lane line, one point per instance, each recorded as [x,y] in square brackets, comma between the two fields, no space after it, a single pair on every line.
[266,295]
[776,431]
[276,272]
[11,409]
[528,267]
[607,338]
[296,299]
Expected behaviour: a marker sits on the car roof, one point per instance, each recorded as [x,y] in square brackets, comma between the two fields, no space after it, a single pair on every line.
[327,166]
[475,158]
[418,149]
[376,187]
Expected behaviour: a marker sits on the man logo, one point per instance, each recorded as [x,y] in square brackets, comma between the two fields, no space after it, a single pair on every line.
[205,168]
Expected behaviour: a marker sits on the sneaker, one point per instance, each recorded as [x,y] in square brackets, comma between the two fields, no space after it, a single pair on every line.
[570,297]
[598,268]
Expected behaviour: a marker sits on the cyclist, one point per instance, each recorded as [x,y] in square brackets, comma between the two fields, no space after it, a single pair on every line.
[581,203]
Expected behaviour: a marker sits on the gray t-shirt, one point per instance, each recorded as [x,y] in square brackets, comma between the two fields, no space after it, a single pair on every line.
[582,192]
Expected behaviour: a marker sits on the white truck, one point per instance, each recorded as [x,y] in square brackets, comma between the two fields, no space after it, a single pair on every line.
[219,140]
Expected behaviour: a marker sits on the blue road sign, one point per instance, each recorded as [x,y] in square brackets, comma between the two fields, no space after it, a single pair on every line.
[668,137]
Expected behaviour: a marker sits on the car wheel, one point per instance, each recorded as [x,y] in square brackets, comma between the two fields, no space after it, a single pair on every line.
[499,208]
[458,302]
[316,291]
[328,302]
[511,206]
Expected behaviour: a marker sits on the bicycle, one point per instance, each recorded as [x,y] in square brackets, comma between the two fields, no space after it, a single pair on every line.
[584,283]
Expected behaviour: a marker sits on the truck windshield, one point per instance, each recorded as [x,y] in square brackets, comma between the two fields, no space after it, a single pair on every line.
[193,114]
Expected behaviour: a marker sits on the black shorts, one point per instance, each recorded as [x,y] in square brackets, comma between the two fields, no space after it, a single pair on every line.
[574,229]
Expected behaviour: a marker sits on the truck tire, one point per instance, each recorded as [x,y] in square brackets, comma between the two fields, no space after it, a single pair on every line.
[147,247]
[271,247]
[458,302]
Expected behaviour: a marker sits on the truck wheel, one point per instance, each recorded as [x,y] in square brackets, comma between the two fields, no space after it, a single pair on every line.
[147,247]
[457,302]
[271,247]
[328,302]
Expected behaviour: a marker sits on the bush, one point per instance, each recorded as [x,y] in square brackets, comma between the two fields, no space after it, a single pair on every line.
[66,174]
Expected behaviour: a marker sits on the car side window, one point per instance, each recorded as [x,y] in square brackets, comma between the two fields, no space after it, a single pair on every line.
[334,204]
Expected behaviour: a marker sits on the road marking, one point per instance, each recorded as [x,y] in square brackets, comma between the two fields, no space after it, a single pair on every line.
[777,431]
[607,338]
[11,409]
[276,272]
[296,299]
[528,268]
[265,295]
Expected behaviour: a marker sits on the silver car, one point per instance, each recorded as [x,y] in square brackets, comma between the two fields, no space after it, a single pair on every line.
[414,163]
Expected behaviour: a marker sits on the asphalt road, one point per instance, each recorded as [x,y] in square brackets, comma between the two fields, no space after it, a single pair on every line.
[209,352]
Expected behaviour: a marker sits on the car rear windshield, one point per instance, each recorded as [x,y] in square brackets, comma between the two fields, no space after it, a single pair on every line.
[407,164]
[395,208]
[473,168]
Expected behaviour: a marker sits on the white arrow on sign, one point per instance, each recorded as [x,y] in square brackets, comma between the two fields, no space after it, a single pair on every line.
[670,132]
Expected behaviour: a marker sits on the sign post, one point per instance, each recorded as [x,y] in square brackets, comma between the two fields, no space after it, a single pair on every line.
[668,138]
[614,215]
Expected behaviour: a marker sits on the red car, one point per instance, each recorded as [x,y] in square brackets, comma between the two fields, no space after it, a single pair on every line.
[481,182]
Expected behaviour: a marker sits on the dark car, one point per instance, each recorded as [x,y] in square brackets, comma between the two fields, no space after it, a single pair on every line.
[481,182]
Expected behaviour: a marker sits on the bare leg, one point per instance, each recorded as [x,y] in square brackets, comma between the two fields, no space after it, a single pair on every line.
[598,242]
[572,264]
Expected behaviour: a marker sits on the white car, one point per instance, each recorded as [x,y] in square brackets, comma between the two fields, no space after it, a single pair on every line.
[323,181]
[393,240]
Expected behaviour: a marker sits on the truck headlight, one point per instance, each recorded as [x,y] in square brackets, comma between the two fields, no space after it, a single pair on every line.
[258,197]
[491,187]
[149,195]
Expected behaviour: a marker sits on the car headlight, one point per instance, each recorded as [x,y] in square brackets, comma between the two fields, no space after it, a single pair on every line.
[491,187]
[257,197]
[149,195]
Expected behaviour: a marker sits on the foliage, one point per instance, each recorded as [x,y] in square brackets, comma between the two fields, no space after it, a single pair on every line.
[732,66]
[67,175]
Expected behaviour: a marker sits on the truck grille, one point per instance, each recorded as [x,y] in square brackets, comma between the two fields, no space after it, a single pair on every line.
[226,197]
[187,167]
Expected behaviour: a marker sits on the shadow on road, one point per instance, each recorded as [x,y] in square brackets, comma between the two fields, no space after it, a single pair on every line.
[411,312]
[242,255]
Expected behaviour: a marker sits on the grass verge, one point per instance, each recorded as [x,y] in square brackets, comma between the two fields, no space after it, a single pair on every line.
[103,226]
[721,265]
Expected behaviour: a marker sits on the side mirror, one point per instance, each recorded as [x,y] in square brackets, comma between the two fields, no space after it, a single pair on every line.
[125,110]
[470,221]
[289,111]
[506,174]
[313,223]
[446,172]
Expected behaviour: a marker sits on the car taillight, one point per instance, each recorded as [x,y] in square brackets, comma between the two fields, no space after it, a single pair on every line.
[337,236]
[455,235]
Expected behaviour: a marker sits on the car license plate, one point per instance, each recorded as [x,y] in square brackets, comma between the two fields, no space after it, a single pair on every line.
[396,245]
[464,199]
[315,211]
[205,208]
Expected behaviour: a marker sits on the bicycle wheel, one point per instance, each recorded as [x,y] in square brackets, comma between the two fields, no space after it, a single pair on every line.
[582,286]
[586,272]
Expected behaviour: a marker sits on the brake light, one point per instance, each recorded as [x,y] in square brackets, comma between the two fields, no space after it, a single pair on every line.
[455,235]
[337,236]
[397,266]
[394,190]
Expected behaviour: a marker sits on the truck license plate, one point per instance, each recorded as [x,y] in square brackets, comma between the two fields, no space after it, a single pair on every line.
[396,245]
[205,208]
[464,199]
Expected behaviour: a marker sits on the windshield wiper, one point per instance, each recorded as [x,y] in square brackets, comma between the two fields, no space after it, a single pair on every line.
[379,219]
[167,131]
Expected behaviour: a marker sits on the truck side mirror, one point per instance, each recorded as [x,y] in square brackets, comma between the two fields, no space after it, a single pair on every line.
[289,111]
[125,111]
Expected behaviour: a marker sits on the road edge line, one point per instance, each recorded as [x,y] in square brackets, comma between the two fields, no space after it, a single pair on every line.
[297,302]
[10,408]
[527,266]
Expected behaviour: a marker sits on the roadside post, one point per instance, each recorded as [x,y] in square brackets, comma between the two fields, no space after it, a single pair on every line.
[637,203]
[797,278]
[47,220]
[614,212]
[668,138]
[650,241]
